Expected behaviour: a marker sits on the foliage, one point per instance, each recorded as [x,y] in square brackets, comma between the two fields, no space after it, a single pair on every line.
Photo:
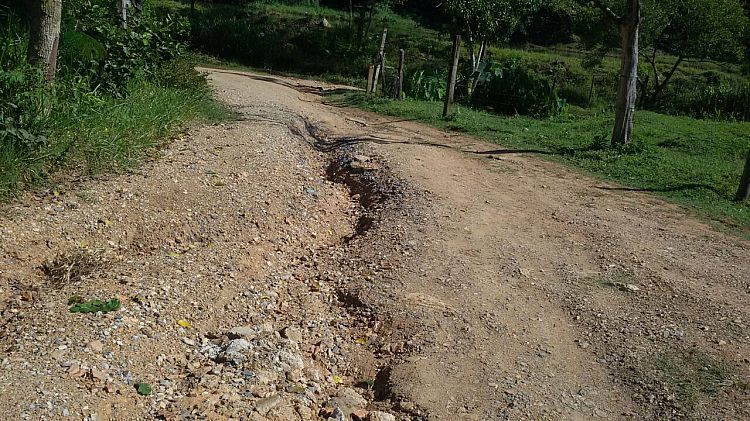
[117,93]
[427,85]
[702,29]
[96,47]
[690,29]
[95,306]
[695,163]
[508,87]
[143,389]
[714,99]
[550,24]
[487,19]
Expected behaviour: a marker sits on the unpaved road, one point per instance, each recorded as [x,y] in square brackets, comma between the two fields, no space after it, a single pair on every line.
[329,260]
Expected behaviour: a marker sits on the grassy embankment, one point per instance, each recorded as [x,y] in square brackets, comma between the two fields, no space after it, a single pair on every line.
[68,127]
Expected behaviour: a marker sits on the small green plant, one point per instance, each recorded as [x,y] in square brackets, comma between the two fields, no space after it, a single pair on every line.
[143,389]
[427,86]
[95,306]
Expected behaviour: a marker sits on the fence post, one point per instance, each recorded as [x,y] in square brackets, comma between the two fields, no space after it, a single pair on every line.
[381,62]
[453,70]
[400,86]
[370,78]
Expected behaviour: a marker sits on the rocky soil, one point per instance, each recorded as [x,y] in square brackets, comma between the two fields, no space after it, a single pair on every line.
[310,262]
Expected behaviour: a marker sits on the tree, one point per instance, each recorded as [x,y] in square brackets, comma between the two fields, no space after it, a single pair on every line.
[627,18]
[45,35]
[689,30]
[483,21]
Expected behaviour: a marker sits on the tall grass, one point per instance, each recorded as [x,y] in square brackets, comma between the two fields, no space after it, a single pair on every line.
[69,125]
[105,134]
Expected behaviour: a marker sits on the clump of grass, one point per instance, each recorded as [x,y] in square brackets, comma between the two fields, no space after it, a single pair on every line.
[691,376]
[118,132]
[97,134]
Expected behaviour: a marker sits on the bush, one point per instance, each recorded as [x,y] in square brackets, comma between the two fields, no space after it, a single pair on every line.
[97,48]
[426,84]
[181,74]
[715,98]
[117,93]
[509,87]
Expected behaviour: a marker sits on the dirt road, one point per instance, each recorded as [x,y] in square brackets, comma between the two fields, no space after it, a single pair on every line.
[313,262]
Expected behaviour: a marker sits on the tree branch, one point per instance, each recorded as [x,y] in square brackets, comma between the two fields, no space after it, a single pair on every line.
[609,12]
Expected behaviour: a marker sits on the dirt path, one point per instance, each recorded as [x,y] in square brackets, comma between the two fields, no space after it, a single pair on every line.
[330,261]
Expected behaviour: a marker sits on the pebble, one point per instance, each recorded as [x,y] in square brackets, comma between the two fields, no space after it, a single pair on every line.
[381,416]
[266,404]
[243,332]
[96,346]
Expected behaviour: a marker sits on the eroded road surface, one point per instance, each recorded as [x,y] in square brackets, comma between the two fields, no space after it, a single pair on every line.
[309,261]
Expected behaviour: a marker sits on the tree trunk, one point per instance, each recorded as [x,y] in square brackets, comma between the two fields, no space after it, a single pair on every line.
[660,86]
[743,192]
[45,36]
[627,87]
[453,70]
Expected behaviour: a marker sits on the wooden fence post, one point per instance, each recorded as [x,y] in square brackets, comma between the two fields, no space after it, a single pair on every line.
[381,63]
[382,72]
[370,75]
[743,192]
[400,86]
[453,70]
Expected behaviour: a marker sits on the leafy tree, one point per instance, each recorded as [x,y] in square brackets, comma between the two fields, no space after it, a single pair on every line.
[483,21]
[689,30]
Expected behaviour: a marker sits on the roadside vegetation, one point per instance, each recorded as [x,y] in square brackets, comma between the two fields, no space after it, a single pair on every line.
[116,94]
[695,163]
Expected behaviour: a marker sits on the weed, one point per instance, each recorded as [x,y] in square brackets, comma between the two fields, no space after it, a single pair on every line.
[74,266]
[95,306]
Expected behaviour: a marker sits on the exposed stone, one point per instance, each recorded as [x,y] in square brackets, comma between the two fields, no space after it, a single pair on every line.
[381,416]
[266,404]
[247,332]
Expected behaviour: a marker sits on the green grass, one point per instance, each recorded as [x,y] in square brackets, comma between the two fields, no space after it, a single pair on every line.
[695,163]
[109,134]
[692,377]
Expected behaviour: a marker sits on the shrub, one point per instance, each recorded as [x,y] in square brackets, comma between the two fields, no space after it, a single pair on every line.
[96,47]
[180,74]
[426,84]
[715,97]
[509,87]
